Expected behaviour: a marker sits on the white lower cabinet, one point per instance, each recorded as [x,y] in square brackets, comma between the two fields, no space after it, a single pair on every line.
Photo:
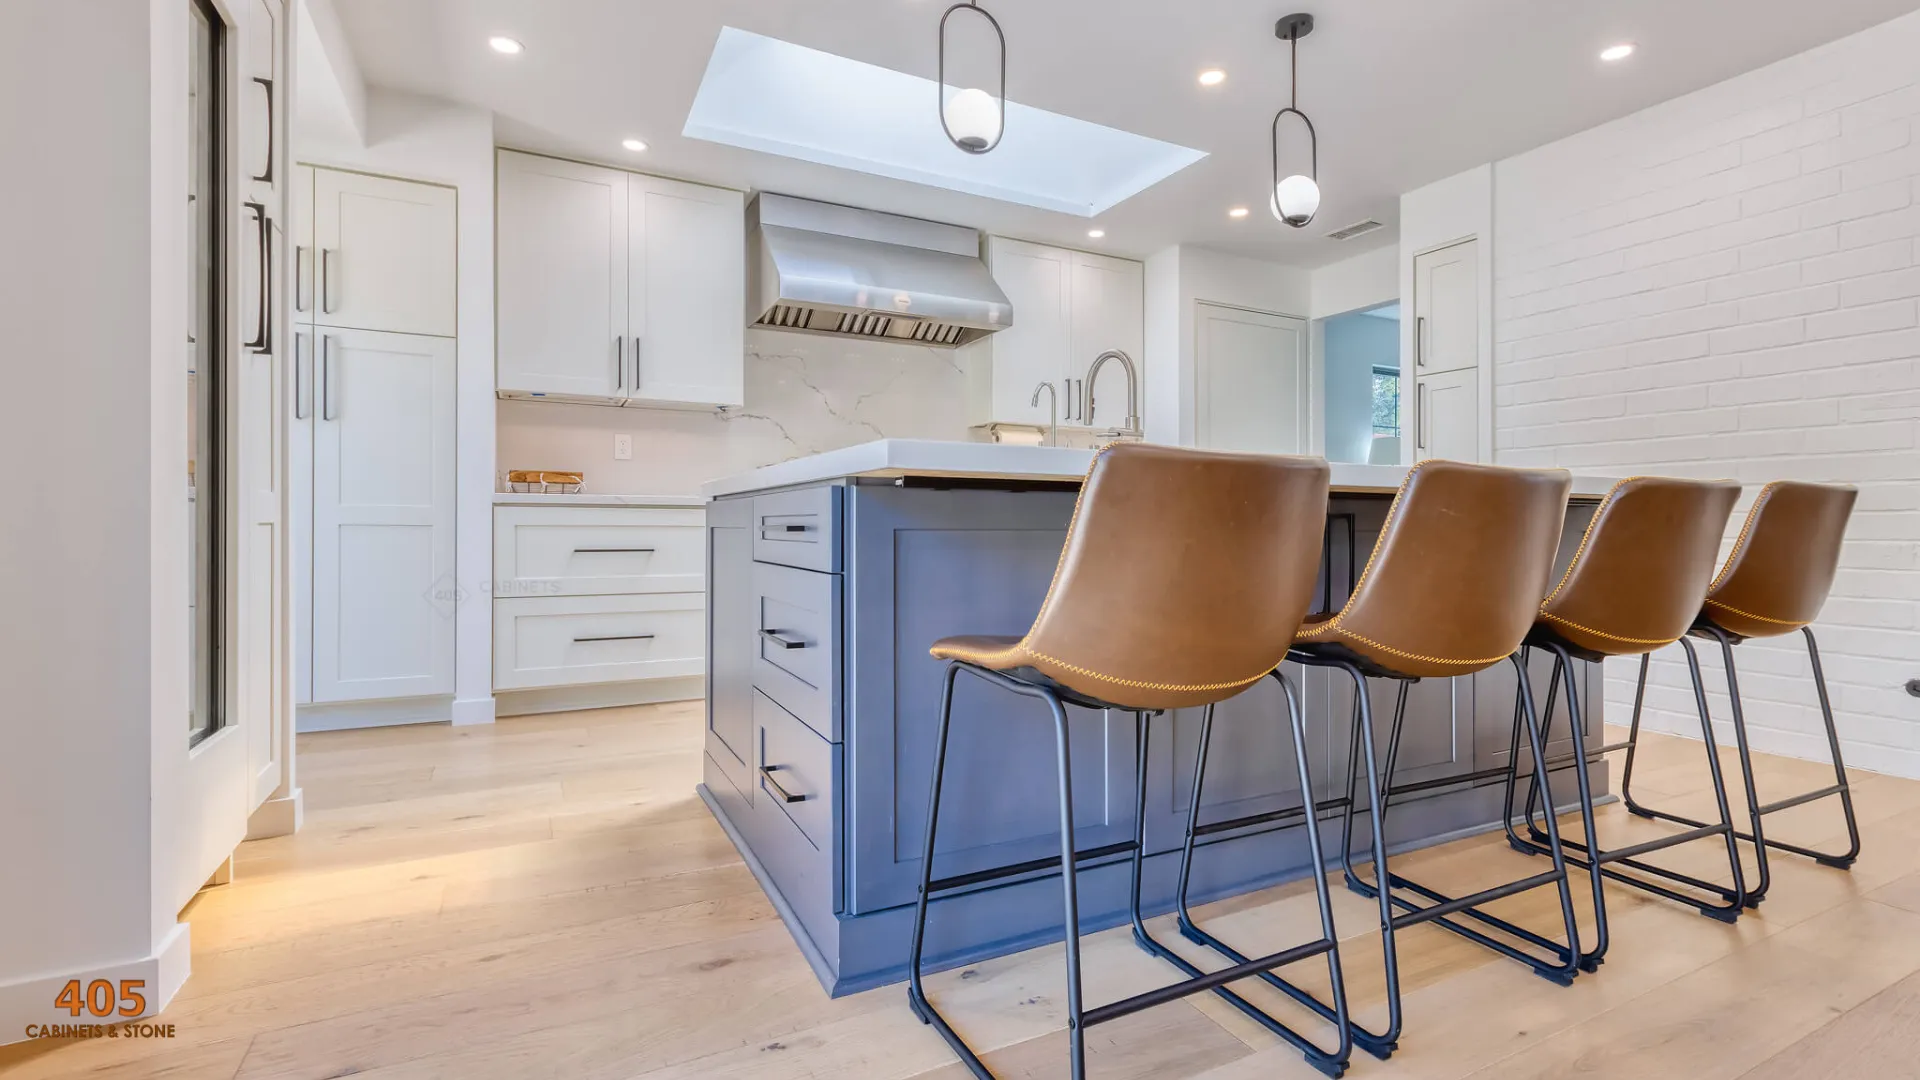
[384,590]
[1446,416]
[597,595]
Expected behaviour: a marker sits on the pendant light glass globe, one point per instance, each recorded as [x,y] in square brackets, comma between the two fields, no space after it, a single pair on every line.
[973,116]
[1295,200]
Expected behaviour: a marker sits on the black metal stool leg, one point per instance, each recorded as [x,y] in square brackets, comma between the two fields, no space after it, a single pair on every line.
[1362,748]
[1633,740]
[1845,791]
[1076,1016]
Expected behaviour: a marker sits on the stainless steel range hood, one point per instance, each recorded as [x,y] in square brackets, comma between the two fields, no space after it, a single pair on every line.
[824,269]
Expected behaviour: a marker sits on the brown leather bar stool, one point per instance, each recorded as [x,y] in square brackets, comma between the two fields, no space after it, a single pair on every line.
[1634,585]
[1184,577]
[1451,588]
[1774,583]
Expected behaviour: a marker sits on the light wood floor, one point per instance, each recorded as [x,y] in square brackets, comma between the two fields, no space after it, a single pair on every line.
[548,898]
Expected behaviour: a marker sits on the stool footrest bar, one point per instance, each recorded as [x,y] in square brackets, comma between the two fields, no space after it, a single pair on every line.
[1461,903]
[980,877]
[1268,816]
[1164,994]
[1797,800]
[1613,855]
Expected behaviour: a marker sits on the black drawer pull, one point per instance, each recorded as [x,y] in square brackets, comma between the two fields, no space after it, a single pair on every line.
[780,638]
[612,551]
[766,774]
[791,528]
[614,637]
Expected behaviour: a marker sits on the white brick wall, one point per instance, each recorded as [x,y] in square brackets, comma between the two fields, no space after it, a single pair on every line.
[1726,285]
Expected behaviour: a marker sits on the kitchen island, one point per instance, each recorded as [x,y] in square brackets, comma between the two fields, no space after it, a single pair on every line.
[829,576]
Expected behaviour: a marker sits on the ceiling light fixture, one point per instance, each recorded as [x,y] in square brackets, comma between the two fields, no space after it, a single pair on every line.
[1617,52]
[1297,198]
[506,45]
[973,119]
[634,145]
[1096,233]
[1237,212]
[1212,77]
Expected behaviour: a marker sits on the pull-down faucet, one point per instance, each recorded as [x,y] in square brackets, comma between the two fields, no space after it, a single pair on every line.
[1132,426]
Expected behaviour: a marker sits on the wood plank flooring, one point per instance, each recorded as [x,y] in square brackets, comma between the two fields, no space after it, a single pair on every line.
[548,898]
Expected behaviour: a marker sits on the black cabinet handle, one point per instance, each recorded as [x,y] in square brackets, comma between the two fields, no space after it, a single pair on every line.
[262,340]
[780,638]
[615,637]
[781,793]
[267,176]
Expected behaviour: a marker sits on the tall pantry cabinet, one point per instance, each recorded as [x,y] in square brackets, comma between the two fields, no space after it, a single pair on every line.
[373,438]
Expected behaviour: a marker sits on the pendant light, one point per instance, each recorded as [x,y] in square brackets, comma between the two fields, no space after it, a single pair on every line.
[973,119]
[1296,198]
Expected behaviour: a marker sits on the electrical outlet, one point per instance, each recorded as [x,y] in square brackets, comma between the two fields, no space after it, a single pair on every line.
[623,448]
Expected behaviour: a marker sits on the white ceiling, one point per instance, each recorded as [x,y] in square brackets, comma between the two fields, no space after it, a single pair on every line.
[1403,92]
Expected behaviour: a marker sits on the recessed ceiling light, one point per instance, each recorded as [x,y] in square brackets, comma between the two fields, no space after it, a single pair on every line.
[1617,52]
[1212,77]
[634,145]
[506,45]
[1237,212]
[1096,233]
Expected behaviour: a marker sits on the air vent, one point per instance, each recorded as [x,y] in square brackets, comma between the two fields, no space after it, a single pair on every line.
[1358,228]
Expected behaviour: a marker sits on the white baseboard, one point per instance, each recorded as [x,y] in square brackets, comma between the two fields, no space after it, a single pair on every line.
[30,1001]
[276,817]
[598,696]
[473,711]
[365,714]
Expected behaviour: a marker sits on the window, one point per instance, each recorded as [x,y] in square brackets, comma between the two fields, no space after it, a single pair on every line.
[205,354]
[1386,402]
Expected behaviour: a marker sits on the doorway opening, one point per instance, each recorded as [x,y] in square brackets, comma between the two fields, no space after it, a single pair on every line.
[1362,385]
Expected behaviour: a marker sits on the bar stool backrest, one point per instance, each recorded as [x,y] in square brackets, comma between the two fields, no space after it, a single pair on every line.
[1644,565]
[1456,577]
[1783,564]
[1184,576]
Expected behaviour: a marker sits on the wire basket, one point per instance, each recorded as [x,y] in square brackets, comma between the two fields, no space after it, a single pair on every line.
[544,482]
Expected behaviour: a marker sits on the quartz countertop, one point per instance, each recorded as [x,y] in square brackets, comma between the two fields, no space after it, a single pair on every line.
[530,498]
[929,457]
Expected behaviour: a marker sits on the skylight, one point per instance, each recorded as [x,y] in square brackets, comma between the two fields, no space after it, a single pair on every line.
[761,93]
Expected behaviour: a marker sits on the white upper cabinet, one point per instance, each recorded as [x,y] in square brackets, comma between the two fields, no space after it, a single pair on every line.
[384,254]
[1446,309]
[1068,308]
[686,292]
[618,287]
[562,277]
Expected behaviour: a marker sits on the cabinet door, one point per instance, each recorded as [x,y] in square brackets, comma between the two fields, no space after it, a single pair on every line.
[386,253]
[303,255]
[561,246]
[1038,282]
[1109,312]
[1446,416]
[1446,308]
[384,590]
[260,90]
[1252,378]
[732,643]
[686,292]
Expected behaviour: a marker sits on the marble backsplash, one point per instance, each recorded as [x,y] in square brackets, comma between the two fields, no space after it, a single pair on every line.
[804,394]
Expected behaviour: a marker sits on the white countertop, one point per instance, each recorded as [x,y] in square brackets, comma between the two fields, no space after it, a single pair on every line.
[929,457]
[516,498]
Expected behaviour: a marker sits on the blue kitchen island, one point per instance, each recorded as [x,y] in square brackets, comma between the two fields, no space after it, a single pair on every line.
[829,576]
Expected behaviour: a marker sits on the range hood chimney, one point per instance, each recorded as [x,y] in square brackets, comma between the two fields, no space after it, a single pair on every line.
[823,269]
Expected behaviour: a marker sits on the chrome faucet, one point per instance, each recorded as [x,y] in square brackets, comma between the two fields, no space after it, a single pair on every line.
[1132,426]
[1053,411]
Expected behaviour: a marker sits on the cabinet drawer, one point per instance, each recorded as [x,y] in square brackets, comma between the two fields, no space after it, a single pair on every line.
[797,786]
[573,640]
[799,528]
[796,659]
[584,551]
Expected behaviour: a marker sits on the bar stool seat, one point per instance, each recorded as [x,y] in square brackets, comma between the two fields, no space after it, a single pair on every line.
[1182,581]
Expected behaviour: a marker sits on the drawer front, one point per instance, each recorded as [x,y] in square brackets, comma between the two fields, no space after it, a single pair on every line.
[577,640]
[589,551]
[796,661]
[799,528]
[795,807]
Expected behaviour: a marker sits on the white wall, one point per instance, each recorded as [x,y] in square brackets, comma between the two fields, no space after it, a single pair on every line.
[1176,280]
[93,555]
[1366,280]
[418,138]
[1727,285]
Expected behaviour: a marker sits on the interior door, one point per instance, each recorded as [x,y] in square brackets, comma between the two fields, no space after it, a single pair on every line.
[1109,312]
[1038,282]
[685,292]
[1252,380]
[1446,308]
[562,277]
[384,590]
[385,253]
[1446,416]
